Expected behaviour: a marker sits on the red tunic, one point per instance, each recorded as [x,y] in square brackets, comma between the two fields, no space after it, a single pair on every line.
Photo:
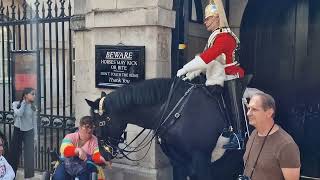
[223,43]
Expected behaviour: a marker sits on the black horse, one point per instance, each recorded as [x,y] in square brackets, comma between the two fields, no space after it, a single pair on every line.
[188,118]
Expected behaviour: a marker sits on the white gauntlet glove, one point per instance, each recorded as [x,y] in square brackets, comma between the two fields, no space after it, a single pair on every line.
[193,74]
[215,74]
[195,64]
[181,72]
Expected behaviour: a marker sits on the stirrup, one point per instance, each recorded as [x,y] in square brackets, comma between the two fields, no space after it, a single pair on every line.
[236,142]
[227,132]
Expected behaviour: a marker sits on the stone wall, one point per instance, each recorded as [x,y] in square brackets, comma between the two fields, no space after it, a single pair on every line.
[132,23]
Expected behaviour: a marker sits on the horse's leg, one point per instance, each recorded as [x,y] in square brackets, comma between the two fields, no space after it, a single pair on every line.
[228,167]
[178,163]
[201,166]
[179,172]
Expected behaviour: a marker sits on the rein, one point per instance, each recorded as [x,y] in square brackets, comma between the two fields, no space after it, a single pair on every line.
[163,120]
[164,109]
[158,127]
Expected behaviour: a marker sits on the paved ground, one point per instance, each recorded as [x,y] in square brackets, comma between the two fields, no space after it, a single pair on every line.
[20,176]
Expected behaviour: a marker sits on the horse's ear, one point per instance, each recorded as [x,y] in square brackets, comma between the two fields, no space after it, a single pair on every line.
[103,94]
[90,103]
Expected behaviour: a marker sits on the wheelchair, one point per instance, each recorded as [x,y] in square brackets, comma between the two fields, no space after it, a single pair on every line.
[56,160]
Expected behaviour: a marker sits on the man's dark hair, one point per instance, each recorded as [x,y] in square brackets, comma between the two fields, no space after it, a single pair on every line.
[86,120]
[268,102]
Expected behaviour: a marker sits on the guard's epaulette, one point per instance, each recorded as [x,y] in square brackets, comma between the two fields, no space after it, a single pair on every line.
[214,34]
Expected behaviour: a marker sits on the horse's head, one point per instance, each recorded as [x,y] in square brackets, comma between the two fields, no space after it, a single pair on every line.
[137,104]
[109,129]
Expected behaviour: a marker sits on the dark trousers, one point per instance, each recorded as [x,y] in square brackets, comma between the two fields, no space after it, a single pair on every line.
[61,174]
[15,150]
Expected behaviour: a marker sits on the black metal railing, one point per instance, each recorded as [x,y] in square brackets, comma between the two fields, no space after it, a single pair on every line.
[42,28]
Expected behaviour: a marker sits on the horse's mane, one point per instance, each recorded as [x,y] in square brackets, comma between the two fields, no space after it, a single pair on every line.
[148,92]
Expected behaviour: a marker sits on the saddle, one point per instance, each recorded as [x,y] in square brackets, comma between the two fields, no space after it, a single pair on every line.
[183,94]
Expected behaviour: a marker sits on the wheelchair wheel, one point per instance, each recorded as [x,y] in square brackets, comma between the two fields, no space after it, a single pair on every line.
[46,175]
[93,176]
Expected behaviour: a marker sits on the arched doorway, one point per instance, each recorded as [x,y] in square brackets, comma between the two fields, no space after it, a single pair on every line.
[279,45]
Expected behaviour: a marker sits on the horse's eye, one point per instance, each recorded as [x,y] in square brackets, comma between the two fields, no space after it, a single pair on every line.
[96,111]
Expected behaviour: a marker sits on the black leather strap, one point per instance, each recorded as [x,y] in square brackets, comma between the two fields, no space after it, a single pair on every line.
[264,141]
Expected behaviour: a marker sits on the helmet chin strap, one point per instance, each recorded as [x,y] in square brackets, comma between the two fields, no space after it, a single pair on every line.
[101,106]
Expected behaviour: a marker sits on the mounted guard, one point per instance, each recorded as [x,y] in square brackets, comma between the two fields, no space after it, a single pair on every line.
[169,108]
[219,63]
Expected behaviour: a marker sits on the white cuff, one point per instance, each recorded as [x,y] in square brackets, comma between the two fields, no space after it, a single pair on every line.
[191,75]
[195,64]
[215,74]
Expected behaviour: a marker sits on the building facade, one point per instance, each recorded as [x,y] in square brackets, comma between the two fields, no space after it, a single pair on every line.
[172,33]
[278,38]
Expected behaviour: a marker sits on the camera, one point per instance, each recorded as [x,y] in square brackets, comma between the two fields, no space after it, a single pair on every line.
[243,177]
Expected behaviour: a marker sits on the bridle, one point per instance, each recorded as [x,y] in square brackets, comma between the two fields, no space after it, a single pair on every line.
[110,144]
[100,111]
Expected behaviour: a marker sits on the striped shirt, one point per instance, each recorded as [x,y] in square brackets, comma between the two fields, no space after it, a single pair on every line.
[70,143]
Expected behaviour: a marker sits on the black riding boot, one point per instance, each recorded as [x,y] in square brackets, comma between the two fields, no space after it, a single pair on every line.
[215,90]
[233,96]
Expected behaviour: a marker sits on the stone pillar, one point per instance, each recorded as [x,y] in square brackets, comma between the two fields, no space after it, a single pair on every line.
[236,10]
[133,23]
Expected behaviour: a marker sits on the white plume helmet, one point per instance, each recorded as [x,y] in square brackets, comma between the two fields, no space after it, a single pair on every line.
[216,7]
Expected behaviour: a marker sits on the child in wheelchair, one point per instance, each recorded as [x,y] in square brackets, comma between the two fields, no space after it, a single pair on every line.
[74,168]
[6,171]
[79,154]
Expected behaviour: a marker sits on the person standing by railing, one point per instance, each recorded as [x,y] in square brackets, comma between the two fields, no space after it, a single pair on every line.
[25,128]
